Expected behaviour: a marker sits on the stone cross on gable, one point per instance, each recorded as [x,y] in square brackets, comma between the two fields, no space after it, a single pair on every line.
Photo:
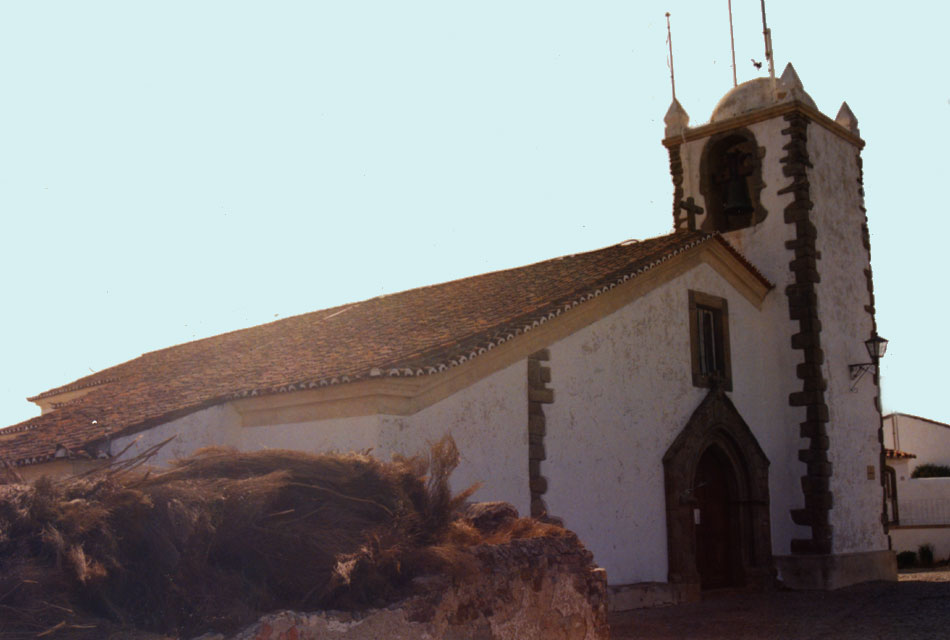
[692,210]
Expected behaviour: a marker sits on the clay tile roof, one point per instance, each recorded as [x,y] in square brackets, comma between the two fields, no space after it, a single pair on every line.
[414,333]
[897,454]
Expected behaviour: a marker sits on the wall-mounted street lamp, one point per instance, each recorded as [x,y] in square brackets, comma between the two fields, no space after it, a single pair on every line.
[876,346]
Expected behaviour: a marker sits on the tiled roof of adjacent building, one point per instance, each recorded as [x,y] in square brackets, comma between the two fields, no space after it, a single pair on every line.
[414,333]
[897,454]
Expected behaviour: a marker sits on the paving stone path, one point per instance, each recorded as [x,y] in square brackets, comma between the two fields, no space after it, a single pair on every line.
[916,607]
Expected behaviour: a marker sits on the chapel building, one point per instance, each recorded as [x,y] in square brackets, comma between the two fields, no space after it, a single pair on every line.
[683,403]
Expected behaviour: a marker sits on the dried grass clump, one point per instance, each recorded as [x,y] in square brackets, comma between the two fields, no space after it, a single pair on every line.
[223,537]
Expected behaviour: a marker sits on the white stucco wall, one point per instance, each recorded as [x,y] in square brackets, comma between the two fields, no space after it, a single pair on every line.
[623,392]
[924,501]
[924,505]
[341,435]
[488,421]
[854,420]
[221,426]
[215,426]
[929,441]
[902,468]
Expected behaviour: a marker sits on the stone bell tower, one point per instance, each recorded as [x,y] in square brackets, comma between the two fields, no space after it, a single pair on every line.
[782,182]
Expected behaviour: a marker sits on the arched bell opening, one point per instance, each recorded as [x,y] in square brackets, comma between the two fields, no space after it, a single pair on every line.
[731,181]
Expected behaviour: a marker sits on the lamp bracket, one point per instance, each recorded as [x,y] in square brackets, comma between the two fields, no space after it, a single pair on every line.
[858,371]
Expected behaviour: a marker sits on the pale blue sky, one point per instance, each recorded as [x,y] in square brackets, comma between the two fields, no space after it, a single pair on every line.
[173,170]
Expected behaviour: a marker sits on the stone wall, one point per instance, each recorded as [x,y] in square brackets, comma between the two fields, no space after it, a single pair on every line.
[534,588]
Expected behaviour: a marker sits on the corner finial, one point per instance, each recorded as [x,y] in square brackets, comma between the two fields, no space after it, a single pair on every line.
[676,119]
[790,78]
[847,119]
[790,87]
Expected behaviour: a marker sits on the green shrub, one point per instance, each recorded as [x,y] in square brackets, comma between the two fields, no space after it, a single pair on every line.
[931,471]
[906,559]
[926,554]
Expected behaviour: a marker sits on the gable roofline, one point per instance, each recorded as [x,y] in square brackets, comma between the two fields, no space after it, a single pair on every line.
[754,287]
[398,394]
[70,388]
[170,383]
[57,396]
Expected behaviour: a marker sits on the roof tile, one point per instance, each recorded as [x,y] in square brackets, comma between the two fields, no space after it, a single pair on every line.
[413,333]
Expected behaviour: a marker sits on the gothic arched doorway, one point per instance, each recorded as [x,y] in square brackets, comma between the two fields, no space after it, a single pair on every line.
[717,502]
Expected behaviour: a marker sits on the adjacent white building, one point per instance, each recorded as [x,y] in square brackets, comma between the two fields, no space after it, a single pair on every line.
[919,507]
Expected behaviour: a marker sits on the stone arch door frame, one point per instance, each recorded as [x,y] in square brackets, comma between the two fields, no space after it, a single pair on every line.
[717,423]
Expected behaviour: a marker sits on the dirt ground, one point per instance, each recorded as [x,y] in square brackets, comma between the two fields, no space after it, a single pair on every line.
[916,607]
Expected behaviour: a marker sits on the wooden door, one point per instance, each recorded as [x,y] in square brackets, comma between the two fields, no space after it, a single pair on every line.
[716,544]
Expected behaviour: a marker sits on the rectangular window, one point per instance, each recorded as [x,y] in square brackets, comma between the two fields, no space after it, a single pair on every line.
[709,340]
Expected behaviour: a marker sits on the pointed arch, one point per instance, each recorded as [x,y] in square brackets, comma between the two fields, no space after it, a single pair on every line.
[717,427]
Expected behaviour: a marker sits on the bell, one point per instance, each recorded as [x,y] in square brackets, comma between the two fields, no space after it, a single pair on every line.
[737,201]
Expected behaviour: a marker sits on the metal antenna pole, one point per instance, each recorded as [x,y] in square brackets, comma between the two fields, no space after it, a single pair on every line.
[732,44]
[768,49]
[669,40]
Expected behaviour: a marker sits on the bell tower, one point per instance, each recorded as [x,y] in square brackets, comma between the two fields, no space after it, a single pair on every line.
[783,183]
